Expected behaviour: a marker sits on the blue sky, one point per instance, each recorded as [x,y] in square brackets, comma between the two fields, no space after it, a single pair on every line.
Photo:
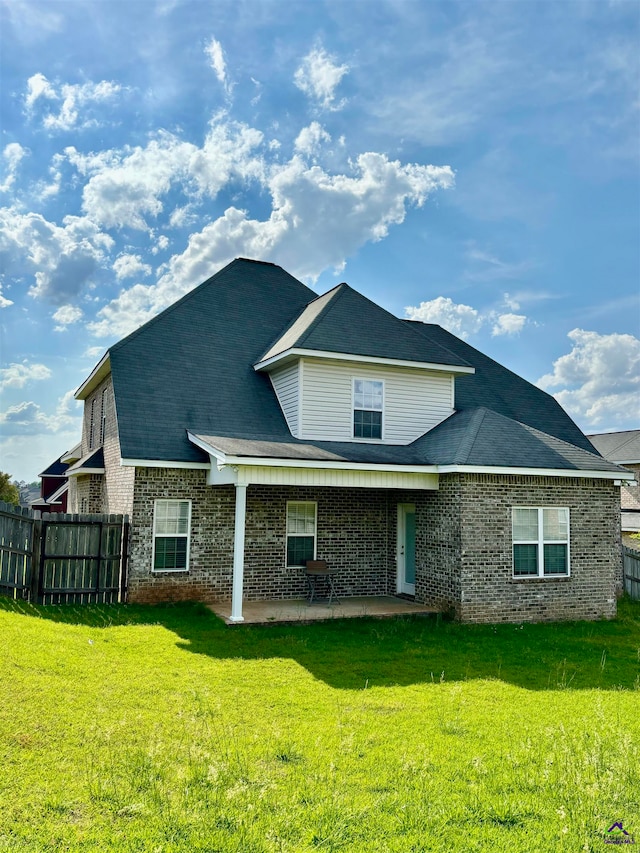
[470,164]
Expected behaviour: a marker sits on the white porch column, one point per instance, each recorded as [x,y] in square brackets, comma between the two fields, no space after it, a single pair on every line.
[238,554]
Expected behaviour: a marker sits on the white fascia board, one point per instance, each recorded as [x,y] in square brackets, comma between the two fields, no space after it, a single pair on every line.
[102,369]
[220,455]
[296,352]
[163,463]
[534,472]
[82,471]
[269,462]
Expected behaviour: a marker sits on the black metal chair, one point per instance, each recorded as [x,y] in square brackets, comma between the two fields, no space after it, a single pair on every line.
[317,571]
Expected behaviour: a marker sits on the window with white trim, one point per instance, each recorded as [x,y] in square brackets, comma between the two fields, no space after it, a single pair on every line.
[103,416]
[92,423]
[367,408]
[171,528]
[540,542]
[301,532]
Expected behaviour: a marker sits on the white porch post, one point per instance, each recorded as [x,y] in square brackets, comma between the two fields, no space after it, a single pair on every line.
[238,554]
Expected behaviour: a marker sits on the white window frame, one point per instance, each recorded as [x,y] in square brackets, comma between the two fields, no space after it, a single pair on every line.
[300,535]
[359,409]
[541,541]
[92,422]
[103,416]
[157,535]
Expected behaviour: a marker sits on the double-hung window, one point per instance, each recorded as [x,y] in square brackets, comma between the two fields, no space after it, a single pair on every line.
[301,532]
[171,524]
[540,541]
[367,408]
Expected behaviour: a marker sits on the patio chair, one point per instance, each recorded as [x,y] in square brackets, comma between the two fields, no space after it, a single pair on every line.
[317,571]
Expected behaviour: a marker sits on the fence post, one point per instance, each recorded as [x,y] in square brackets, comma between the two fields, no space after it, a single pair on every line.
[124,563]
[36,551]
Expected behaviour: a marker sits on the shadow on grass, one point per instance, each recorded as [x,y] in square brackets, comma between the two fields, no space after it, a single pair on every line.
[349,654]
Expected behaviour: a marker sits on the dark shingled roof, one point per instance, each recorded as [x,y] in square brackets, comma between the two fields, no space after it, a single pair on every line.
[345,321]
[56,469]
[191,369]
[499,389]
[480,437]
[92,460]
[618,446]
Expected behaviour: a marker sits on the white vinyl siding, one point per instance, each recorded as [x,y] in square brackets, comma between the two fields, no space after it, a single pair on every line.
[286,385]
[414,400]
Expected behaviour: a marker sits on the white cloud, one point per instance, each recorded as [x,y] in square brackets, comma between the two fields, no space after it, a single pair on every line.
[126,187]
[12,155]
[215,53]
[93,352]
[4,302]
[317,221]
[72,98]
[27,418]
[318,77]
[38,87]
[311,138]
[462,320]
[17,375]
[65,316]
[127,266]
[599,379]
[64,258]
[508,324]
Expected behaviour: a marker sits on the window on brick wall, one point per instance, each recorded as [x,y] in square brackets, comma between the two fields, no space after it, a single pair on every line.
[171,528]
[301,532]
[540,541]
[92,423]
[103,416]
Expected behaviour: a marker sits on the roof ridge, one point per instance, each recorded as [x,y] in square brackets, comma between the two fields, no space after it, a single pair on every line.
[442,346]
[470,436]
[323,313]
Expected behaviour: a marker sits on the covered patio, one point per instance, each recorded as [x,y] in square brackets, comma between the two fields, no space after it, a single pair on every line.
[298,610]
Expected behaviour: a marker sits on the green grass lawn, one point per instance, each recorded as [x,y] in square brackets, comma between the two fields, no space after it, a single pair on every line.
[160,729]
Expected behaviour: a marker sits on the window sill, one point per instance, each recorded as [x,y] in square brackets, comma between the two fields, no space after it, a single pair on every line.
[534,578]
[169,571]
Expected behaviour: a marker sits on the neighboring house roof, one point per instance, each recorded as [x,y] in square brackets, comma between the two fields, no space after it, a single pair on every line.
[91,463]
[56,469]
[344,321]
[497,388]
[55,498]
[621,447]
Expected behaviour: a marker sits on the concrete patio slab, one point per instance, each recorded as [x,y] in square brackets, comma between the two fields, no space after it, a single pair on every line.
[297,610]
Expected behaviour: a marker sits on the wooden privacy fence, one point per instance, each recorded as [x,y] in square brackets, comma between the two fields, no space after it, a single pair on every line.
[631,571]
[61,558]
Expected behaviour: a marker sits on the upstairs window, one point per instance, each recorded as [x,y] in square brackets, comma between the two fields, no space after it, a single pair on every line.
[540,541]
[367,408]
[301,532]
[92,424]
[171,523]
[103,417]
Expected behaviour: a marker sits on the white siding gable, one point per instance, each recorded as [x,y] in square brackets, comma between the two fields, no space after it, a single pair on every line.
[415,400]
[286,385]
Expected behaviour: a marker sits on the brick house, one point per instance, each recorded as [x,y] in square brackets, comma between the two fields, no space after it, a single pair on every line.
[623,448]
[253,426]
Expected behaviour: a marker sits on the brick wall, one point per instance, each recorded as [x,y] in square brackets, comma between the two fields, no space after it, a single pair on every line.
[354,528]
[630,495]
[117,491]
[88,493]
[489,593]
[463,544]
